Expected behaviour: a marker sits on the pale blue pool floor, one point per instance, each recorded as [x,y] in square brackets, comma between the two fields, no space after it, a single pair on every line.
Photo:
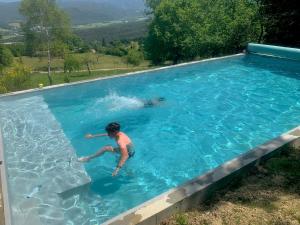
[213,112]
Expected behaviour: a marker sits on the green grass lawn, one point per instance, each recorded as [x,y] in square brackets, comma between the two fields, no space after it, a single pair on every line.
[104,65]
[59,78]
[100,62]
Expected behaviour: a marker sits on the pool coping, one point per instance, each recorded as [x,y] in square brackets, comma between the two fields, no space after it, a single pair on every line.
[274,51]
[199,189]
[116,76]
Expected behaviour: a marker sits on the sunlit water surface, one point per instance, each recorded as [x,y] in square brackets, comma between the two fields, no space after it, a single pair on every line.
[213,112]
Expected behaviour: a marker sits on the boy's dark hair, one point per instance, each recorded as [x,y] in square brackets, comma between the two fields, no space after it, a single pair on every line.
[112,127]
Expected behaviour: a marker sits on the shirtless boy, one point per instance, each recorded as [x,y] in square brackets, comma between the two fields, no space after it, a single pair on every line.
[124,148]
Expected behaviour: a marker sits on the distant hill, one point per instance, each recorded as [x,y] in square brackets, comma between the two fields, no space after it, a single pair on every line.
[91,11]
[9,1]
[119,31]
[82,11]
[9,13]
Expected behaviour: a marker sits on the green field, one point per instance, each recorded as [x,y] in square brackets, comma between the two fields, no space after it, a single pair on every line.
[107,23]
[59,78]
[104,65]
[115,31]
[100,62]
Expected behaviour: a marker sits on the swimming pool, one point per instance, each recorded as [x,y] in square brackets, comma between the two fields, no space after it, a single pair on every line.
[213,111]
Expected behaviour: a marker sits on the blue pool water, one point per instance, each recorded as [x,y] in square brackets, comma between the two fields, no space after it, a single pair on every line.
[213,112]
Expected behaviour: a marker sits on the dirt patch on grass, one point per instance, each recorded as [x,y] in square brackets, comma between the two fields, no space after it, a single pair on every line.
[269,195]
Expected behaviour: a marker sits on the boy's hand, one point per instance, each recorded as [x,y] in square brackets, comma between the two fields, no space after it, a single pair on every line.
[89,136]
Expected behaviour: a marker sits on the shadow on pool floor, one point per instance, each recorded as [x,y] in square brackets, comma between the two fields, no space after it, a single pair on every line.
[269,195]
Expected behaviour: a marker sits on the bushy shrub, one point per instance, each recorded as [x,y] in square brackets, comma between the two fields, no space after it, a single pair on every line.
[14,78]
[181,219]
[186,29]
[71,63]
[84,48]
[6,57]
[59,49]
[134,57]
[116,51]
[17,49]
[2,88]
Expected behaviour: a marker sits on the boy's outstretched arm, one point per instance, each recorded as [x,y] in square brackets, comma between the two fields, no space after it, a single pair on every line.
[95,135]
[123,158]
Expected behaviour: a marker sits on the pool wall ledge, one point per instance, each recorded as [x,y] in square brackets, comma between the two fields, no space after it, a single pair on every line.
[4,186]
[274,51]
[203,187]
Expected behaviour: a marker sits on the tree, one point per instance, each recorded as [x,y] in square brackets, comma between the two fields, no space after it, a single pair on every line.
[88,59]
[44,25]
[17,49]
[152,5]
[6,58]
[14,78]
[282,22]
[74,42]
[103,42]
[184,29]
[134,57]
[71,64]
[59,49]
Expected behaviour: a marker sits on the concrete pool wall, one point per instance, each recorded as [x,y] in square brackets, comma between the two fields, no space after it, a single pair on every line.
[185,196]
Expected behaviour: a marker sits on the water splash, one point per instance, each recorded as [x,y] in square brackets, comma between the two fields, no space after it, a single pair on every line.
[114,102]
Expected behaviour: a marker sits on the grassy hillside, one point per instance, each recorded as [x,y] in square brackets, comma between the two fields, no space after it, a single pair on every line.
[91,11]
[100,62]
[59,78]
[103,66]
[110,31]
[117,31]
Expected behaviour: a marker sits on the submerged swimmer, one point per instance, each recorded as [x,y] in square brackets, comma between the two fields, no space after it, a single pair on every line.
[124,146]
[153,102]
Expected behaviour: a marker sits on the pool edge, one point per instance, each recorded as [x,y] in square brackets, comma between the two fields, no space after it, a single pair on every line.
[4,185]
[115,76]
[197,190]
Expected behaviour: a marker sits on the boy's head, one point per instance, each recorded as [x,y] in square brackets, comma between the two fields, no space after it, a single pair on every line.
[112,129]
